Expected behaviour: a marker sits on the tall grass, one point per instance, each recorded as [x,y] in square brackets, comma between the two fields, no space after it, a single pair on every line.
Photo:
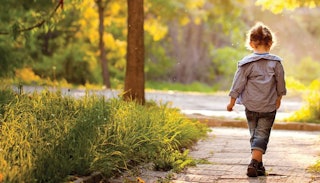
[47,136]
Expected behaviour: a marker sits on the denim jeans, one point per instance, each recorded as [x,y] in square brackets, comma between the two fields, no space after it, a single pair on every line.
[260,124]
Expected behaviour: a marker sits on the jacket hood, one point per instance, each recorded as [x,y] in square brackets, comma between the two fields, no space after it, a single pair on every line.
[255,57]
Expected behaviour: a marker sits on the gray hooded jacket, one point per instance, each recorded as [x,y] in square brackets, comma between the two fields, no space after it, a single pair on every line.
[258,82]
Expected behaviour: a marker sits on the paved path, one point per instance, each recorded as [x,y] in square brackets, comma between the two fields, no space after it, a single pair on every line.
[227,150]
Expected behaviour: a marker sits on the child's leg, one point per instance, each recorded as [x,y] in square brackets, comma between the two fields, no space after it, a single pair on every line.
[257,155]
[260,125]
[260,138]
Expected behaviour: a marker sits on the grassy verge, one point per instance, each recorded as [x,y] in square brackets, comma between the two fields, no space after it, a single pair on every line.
[194,87]
[46,137]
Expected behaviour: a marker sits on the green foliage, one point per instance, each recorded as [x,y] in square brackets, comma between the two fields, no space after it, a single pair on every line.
[311,111]
[47,136]
[7,62]
[193,87]
[158,64]
[225,64]
[69,63]
[199,41]
[6,96]
[68,41]
[12,56]
[308,70]
[169,159]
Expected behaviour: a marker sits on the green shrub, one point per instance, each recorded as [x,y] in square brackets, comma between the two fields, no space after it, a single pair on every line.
[45,137]
[310,112]
[293,84]
[308,68]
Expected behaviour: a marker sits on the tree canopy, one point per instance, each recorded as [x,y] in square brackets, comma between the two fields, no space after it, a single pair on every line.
[186,41]
[279,6]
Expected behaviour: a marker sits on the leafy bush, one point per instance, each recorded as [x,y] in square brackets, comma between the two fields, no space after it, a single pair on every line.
[308,68]
[47,136]
[311,111]
[293,84]
[27,75]
[225,64]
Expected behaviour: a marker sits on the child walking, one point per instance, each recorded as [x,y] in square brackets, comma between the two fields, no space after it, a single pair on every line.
[259,85]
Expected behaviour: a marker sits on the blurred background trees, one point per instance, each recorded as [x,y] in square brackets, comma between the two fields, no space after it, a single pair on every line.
[186,41]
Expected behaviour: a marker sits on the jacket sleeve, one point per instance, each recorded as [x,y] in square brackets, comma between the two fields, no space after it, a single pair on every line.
[239,82]
[281,84]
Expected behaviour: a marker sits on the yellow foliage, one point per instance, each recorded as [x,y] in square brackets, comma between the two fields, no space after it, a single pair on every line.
[122,46]
[155,29]
[194,4]
[115,7]
[196,10]
[110,41]
[293,84]
[278,6]
[197,20]
[90,86]
[27,75]
[310,112]
[115,14]
[315,85]
[89,21]
[184,20]
[118,48]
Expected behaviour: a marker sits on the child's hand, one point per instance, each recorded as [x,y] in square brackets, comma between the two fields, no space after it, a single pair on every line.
[230,107]
[231,104]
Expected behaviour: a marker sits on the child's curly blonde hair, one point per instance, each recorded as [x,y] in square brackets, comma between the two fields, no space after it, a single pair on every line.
[260,35]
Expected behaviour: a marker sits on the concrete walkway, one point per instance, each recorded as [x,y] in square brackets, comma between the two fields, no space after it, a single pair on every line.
[227,152]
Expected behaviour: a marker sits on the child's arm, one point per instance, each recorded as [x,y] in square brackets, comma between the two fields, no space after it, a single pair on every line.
[278,102]
[231,104]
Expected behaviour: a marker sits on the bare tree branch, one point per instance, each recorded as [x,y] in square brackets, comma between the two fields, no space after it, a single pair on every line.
[40,23]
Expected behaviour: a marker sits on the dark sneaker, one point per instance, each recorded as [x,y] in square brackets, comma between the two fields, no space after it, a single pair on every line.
[261,170]
[252,170]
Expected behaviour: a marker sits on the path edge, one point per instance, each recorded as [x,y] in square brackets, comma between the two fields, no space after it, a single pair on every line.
[240,123]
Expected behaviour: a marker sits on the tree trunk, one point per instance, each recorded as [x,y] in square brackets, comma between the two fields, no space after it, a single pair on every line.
[103,58]
[134,79]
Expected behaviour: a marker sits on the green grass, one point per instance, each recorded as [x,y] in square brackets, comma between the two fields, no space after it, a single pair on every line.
[194,87]
[46,137]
